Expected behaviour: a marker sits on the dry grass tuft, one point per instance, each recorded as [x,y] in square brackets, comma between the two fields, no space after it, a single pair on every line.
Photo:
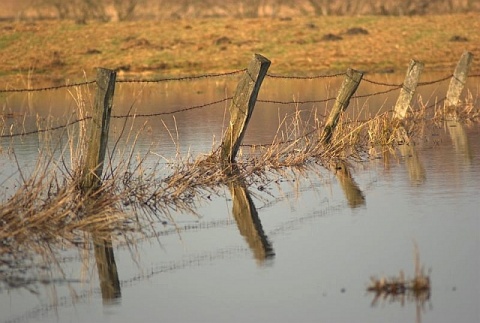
[49,211]
[399,288]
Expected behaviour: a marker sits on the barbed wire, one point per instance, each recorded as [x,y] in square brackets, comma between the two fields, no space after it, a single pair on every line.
[173,112]
[376,93]
[435,81]
[295,102]
[184,109]
[168,79]
[195,77]
[382,83]
[47,88]
[117,117]
[44,130]
[305,77]
[182,78]
[327,100]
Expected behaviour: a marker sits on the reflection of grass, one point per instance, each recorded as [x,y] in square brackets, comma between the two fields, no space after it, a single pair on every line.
[399,288]
[49,210]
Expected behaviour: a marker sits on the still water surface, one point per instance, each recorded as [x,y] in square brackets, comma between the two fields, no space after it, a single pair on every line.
[312,251]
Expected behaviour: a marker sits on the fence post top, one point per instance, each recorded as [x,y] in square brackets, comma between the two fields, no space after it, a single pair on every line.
[351,71]
[261,58]
[105,70]
[354,71]
[414,62]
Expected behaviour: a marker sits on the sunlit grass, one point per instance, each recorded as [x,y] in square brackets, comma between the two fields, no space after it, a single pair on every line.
[49,208]
[188,46]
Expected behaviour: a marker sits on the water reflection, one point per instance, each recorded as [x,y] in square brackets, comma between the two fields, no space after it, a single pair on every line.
[416,171]
[457,240]
[107,270]
[350,188]
[419,298]
[459,139]
[248,222]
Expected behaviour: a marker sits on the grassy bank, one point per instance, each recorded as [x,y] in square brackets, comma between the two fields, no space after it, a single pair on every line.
[56,51]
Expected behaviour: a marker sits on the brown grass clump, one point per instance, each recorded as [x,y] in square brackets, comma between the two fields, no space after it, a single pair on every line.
[49,210]
[398,288]
[296,145]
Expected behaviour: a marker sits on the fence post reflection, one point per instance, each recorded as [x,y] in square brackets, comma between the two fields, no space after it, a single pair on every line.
[107,269]
[352,192]
[248,222]
[459,139]
[416,171]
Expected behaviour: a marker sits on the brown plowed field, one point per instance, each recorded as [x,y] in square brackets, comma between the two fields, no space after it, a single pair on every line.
[60,51]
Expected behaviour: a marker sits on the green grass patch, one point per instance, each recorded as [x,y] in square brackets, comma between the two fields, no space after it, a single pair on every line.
[7,40]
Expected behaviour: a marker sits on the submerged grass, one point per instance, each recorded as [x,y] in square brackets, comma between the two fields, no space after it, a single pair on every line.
[49,211]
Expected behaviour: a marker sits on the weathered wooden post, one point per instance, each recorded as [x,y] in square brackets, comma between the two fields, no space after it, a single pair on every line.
[349,86]
[408,89]
[242,106]
[98,131]
[457,84]
[405,98]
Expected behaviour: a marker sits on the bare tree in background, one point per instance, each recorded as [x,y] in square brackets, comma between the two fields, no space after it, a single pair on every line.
[79,10]
[126,8]
[104,10]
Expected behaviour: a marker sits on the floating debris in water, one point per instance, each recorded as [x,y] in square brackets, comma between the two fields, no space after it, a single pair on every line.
[397,288]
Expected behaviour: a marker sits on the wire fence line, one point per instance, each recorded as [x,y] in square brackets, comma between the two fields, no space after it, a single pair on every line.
[215,75]
[160,80]
[50,88]
[45,129]
[394,87]
[321,76]
[182,78]
[173,112]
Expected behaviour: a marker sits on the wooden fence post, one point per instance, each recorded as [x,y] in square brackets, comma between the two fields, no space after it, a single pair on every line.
[457,83]
[242,106]
[408,89]
[349,86]
[98,131]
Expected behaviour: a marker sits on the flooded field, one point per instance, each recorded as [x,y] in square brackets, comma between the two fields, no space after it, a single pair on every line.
[304,244]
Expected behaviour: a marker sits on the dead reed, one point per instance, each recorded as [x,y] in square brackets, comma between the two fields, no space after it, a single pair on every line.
[400,288]
[49,211]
